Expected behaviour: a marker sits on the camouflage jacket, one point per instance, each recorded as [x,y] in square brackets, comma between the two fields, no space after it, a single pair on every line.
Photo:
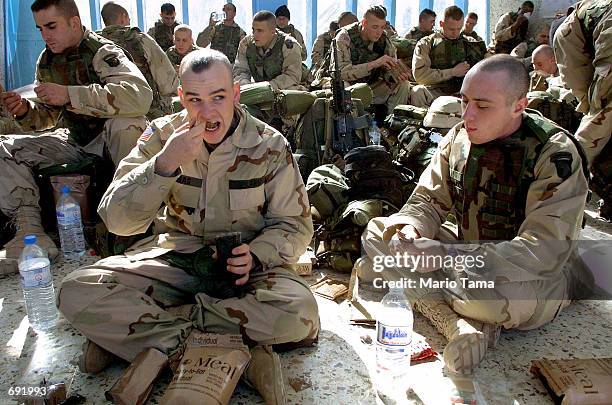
[176,58]
[287,56]
[417,33]
[352,70]
[472,34]
[297,35]
[583,46]
[250,183]
[152,62]
[505,37]
[553,202]
[321,47]
[430,63]
[109,86]
[222,38]
[163,34]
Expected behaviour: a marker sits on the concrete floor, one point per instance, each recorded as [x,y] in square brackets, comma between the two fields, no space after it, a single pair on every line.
[339,369]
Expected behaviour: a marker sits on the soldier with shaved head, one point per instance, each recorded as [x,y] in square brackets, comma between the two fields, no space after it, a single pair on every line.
[212,169]
[516,187]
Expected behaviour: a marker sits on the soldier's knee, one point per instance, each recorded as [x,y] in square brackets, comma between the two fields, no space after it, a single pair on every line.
[307,320]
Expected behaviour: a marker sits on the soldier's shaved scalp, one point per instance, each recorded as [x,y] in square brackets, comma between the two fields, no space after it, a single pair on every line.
[202,59]
[111,12]
[517,78]
[543,50]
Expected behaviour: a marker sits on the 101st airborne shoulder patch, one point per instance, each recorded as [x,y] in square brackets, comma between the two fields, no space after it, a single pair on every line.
[289,43]
[111,60]
[563,164]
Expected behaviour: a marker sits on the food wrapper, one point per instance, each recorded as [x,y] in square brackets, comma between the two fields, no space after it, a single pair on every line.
[209,370]
[136,383]
[576,381]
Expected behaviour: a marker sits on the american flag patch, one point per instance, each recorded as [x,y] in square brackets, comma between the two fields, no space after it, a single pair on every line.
[146,135]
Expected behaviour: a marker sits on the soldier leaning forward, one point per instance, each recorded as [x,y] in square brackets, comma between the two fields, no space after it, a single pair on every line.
[87,88]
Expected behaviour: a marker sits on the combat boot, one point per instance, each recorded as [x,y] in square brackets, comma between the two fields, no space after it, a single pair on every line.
[27,222]
[468,340]
[95,359]
[264,373]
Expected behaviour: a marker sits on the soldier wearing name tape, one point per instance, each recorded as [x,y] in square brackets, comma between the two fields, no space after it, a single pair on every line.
[441,60]
[146,54]
[163,30]
[269,55]
[223,36]
[87,87]
[213,168]
[183,44]
[516,185]
[583,47]
[366,54]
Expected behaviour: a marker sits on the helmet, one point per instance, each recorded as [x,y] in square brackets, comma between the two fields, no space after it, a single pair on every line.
[444,112]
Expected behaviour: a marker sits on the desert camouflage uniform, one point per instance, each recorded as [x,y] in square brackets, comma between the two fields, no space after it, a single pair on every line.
[249,183]
[108,100]
[432,64]
[297,35]
[163,34]
[222,38]
[152,62]
[416,33]
[505,36]
[583,45]
[526,245]
[354,54]
[321,47]
[176,58]
[279,64]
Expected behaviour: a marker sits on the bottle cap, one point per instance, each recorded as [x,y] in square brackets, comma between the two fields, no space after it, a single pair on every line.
[29,239]
[65,189]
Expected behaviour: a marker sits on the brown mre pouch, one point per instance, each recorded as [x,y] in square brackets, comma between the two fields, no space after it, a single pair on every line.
[136,383]
[576,381]
[209,370]
[78,184]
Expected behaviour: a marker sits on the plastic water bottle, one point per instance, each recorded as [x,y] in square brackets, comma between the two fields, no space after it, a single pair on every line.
[69,225]
[37,284]
[374,134]
[393,340]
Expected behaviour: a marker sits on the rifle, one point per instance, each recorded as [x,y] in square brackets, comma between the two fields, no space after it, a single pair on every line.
[344,124]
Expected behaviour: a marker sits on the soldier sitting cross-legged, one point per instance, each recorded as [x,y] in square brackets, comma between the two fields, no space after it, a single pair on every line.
[213,169]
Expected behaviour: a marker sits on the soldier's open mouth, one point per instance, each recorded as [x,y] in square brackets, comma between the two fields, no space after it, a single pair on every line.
[212,126]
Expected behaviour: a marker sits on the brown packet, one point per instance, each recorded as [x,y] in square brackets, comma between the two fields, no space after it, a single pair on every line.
[136,383]
[576,381]
[78,184]
[209,370]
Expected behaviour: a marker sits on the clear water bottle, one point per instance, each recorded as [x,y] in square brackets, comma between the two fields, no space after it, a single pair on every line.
[69,225]
[37,284]
[393,336]
[374,134]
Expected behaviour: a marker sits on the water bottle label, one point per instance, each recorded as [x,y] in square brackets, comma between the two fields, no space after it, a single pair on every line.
[38,277]
[394,335]
[69,216]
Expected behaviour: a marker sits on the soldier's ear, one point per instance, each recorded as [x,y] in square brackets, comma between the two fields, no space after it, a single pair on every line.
[521,105]
[236,90]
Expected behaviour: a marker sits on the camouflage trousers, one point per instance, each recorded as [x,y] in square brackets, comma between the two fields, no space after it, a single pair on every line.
[383,94]
[423,96]
[520,305]
[119,304]
[20,154]
[595,131]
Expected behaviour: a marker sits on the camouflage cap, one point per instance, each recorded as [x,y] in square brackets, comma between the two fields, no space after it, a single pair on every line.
[444,112]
